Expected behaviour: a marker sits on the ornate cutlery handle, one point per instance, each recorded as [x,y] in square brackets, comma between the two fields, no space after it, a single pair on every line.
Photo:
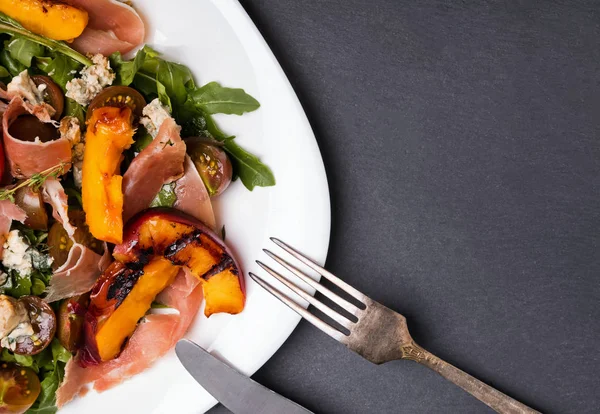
[490,396]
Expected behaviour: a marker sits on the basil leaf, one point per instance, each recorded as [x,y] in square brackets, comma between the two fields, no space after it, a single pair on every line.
[11,26]
[248,167]
[13,66]
[62,69]
[216,99]
[166,197]
[24,50]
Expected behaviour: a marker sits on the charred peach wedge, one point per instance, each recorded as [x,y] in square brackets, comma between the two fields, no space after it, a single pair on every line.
[156,245]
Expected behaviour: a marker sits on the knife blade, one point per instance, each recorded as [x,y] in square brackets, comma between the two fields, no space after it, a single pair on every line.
[239,393]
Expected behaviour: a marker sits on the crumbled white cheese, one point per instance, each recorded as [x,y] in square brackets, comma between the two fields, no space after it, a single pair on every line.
[15,255]
[3,277]
[155,114]
[19,334]
[93,79]
[71,130]
[11,314]
[18,255]
[23,86]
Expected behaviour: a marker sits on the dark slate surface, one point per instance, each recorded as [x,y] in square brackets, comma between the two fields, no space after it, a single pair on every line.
[461,141]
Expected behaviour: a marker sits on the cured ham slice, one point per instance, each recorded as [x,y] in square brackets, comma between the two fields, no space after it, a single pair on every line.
[159,163]
[26,158]
[113,26]
[152,339]
[192,197]
[9,211]
[77,275]
[54,194]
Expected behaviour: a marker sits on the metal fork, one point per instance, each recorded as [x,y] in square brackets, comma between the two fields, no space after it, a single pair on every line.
[379,334]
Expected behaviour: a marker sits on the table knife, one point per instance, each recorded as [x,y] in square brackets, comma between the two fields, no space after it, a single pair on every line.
[234,390]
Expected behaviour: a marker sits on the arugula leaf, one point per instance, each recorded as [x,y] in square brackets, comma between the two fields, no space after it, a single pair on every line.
[73,108]
[19,286]
[213,98]
[37,287]
[142,139]
[126,69]
[24,50]
[166,197]
[174,77]
[251,171]
[62,69]
[11,26]
[163,96]
[13,66]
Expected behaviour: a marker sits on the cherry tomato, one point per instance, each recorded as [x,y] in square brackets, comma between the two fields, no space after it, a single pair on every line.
[53,94]
[19,388]
[28,128]
[70,321]
[119,96]
[32,203]
[212,163]
[43,322]
[60,243]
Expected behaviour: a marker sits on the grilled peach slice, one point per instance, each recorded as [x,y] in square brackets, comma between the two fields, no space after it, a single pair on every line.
[185,241]
[157,244]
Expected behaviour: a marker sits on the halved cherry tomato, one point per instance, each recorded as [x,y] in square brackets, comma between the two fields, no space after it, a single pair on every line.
[119,96]
[29,128]
[212,164]
[32,203]
[19,388]
[43,322]
[70,321]
[53,94]
[59,242]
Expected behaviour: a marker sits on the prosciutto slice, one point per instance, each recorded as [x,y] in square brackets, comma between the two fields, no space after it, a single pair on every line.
[152,339]
[77,275]
[9,211]
[26,158]
[192,197]
[113,26]
[54,194]
[159,163]
[83,266]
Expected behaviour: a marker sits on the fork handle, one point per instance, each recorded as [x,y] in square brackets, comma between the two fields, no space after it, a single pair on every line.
[490,396]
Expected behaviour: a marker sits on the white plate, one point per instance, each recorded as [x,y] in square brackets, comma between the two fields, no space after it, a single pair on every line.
[218,41]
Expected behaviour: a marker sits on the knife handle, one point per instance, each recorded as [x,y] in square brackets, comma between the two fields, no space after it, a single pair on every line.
[490,396]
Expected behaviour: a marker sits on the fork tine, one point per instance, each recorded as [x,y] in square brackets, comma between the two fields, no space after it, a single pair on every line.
[328,329]
[342,320]
[325,273]
[349,307]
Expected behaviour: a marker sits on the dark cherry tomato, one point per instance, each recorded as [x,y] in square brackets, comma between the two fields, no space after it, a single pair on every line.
[119,96]
[53,94]
[32,203]
[19,388]
[59,242]
[70,321]
[212,163]
[28,128]
[43,322]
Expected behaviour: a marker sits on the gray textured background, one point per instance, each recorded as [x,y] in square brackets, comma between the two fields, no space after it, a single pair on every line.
[461,142]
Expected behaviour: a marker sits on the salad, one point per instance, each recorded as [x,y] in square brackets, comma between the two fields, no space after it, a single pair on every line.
[108,163]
